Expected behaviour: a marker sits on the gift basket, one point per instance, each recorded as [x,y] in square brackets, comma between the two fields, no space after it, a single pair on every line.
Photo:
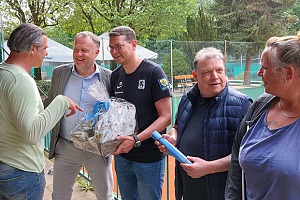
[110,117]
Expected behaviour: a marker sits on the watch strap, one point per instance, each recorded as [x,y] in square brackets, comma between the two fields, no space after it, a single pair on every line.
[137,141]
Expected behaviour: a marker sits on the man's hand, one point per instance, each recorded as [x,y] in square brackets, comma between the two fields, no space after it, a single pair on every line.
[198,168]
[126,145]
[170,139]
[73,107]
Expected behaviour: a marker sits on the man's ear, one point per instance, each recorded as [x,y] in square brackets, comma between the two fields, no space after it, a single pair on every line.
[194,75]
[97,52]
[32,49]
[134,43]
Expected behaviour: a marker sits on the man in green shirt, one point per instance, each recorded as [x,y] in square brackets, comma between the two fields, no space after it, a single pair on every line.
[24,121]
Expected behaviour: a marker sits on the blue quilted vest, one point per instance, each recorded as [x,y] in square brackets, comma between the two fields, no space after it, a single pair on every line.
[219,131]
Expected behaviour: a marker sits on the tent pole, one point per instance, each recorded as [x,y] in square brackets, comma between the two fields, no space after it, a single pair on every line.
[1,40]
[172,80]
[103,61]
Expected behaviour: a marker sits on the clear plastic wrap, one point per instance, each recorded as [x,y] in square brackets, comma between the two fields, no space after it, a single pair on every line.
[110,118]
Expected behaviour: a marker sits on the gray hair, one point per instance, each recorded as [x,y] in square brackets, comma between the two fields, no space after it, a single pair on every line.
[283,53]
[274,39]
[123,30]
[24,36]
[207,53]
[91,35]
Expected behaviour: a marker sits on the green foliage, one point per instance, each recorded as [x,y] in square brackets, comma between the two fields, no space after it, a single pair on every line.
[159,19]
[84,184]
[250,21]
[201,27]
[152,19]
[180,64]
[43,86]
[82,18]
[43,13]
[293,18]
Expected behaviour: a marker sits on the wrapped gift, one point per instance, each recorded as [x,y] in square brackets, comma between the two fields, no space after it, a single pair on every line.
[109,118]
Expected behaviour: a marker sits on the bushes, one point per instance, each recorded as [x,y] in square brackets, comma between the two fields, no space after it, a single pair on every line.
[44,87]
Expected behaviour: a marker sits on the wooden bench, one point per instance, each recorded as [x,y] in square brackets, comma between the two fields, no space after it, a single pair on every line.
[240,82]
[184,81]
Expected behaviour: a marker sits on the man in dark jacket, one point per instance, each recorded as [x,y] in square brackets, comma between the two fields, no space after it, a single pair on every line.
[207,119]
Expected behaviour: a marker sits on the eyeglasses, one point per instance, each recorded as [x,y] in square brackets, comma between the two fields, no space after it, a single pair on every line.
[117,47]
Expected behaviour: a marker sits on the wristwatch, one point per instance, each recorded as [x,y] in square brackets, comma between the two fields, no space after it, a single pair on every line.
[137,141]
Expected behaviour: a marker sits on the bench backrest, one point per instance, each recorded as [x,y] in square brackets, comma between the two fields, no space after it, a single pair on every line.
[188,76]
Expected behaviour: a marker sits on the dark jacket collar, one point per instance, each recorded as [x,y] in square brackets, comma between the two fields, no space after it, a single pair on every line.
[194,94]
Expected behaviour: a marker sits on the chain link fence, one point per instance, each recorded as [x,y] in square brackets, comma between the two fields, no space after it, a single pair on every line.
[175,58]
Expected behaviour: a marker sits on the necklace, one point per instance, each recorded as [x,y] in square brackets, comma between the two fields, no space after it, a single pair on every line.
[288,116]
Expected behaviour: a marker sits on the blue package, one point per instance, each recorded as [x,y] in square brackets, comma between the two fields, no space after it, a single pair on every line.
[172,151]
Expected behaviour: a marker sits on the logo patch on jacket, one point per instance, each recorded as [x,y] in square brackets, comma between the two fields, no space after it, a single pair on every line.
[164,84]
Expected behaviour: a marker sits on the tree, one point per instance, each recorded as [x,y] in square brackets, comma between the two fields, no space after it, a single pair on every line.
[293,18]
[180,64]
[250,21]
[151,19]
[42,13]
[82,17]
[201,27]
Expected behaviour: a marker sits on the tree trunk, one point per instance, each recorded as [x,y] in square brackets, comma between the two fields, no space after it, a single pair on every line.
[247,69]
[113,65]
[37,74]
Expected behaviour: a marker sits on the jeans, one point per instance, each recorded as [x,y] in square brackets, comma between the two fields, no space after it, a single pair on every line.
[140,181]
[16,184]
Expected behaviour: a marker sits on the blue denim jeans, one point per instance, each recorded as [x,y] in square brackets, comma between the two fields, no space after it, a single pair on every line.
[140,181]
[20,185]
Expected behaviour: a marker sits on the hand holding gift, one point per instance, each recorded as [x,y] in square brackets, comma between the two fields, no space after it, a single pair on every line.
[109,118]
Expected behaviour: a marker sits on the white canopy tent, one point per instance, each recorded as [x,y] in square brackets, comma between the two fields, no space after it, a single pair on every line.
[57,53]
[105,54]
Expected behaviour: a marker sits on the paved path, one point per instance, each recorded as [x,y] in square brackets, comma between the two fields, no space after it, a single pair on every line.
[78,194]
